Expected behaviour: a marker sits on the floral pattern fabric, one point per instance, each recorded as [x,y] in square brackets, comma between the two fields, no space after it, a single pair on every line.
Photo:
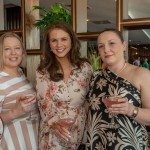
[57,99]
[130,135]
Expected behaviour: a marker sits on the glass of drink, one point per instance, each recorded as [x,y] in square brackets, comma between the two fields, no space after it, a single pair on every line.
[26,96]
[68,121]
[109,100]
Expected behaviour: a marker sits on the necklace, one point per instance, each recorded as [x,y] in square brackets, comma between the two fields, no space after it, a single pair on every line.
[121,69]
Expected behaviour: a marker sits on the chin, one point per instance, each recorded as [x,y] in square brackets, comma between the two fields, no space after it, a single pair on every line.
[108,62]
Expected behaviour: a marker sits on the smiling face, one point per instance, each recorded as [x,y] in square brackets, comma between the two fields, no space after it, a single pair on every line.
[12,53]
[60,43]
[111,48]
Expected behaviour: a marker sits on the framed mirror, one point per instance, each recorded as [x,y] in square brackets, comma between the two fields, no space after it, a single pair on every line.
[11,13]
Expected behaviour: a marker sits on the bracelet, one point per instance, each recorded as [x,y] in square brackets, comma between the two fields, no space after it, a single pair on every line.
[135,112]
[1,127]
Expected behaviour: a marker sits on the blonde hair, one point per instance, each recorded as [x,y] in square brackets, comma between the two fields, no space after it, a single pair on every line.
[2,38]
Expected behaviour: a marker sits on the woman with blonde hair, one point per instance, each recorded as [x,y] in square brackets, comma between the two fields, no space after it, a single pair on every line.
[20,130]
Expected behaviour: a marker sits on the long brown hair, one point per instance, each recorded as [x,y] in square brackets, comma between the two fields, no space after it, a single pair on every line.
[2,38]
[49,63]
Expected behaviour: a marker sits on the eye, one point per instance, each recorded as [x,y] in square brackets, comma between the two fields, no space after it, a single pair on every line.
[53,40]
[100,46]
[64,39]
[111,43]
[7,48]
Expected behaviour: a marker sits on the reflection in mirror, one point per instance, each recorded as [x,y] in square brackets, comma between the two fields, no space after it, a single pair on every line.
[101,14]
[11,13]
[134,10]
[47,4]
[139,44]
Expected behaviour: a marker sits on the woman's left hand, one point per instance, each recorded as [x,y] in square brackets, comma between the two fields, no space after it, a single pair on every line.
[61,131]
[123,107]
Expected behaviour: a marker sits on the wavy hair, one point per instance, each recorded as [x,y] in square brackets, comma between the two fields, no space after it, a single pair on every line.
[49,63]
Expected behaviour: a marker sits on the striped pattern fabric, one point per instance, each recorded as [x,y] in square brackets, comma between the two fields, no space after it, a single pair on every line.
[19,134]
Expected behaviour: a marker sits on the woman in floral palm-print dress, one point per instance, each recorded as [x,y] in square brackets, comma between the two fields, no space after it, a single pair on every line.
[62,85]
[130,134]
[132,113]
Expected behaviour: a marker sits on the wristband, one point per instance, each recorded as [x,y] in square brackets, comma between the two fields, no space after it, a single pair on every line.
[135,112]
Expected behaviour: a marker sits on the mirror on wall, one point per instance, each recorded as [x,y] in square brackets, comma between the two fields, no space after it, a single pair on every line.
[10,13]
[139,46]
[101,14]
[136,10]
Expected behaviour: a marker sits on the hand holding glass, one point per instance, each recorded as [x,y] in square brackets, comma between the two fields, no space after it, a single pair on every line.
[24,98]
[68,121]
[110,100]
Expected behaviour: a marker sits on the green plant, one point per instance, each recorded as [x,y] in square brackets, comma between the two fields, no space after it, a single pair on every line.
[57,12]
[94,58]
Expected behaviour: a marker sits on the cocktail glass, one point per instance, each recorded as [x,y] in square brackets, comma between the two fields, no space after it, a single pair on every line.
[26,96]
[68,121]
[109,100]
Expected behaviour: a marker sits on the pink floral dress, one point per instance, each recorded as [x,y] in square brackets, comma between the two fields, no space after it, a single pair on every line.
[55,99]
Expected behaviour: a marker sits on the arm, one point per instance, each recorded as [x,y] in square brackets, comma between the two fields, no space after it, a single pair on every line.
[143,114]
[143,82]
[20,109]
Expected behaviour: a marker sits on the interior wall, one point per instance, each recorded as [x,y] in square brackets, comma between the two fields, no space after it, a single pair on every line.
[32,64]
[32,39]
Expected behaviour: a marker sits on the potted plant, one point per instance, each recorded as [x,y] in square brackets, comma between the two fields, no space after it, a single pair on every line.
[57,12]
[94,58]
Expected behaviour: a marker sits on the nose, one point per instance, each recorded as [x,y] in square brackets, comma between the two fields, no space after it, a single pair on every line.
[59,43]
[106,48]
[13,51]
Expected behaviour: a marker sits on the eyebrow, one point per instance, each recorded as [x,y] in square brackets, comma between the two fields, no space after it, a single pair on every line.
[108,41]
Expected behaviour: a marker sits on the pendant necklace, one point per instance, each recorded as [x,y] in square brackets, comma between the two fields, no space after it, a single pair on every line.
[124,66]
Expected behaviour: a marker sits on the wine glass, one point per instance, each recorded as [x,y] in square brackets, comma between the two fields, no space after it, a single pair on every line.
[68,121]
[26,96]
[109,100]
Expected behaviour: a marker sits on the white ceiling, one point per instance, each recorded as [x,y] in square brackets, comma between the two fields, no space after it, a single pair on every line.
[102,14]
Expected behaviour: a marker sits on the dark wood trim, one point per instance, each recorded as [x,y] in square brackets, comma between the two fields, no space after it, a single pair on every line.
[135,22]
[130,24]
[74,14]
[118,14]
[34,52]
[88,35]
[23,21]
[16,31]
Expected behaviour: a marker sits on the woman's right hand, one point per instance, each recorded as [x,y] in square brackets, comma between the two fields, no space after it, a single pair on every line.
[20,108]
[23,105]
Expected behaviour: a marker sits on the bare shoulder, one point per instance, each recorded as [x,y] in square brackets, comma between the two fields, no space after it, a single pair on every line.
[139,73]
[142,72]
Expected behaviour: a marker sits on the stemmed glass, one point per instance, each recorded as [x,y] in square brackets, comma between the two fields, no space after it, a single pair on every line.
[68,121]
[26,96]
[109,100]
